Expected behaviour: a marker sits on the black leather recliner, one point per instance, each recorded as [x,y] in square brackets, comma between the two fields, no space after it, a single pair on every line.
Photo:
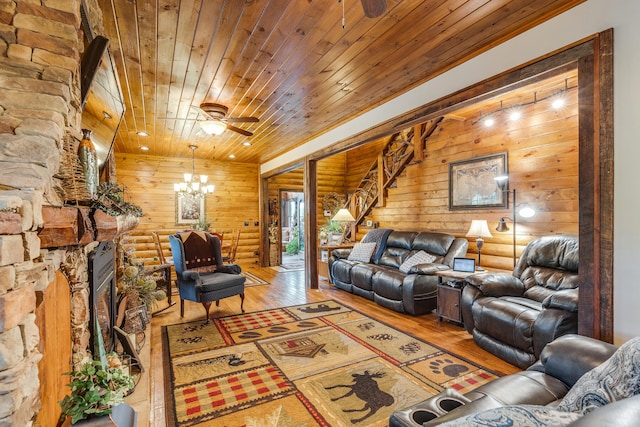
[515,316]
[546,382]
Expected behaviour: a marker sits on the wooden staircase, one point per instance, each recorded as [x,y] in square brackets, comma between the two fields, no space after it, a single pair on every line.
[402,149]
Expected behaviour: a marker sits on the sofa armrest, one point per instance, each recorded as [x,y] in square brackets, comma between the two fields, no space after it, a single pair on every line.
[496,284]
[428,269]
[342,253]
[570,356]
[565,299]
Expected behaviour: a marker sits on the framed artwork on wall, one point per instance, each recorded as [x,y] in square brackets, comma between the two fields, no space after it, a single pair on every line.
[472,184]
[189,209]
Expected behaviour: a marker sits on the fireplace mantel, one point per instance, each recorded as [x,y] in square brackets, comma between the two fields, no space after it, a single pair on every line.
[68,226]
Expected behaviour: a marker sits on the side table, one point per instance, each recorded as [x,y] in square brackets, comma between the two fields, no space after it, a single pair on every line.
[449,294]
[324,252]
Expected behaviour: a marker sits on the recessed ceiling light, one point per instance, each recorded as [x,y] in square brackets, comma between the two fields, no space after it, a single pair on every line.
[144,148]
[558,103]
[232,156]
[246,144]
[515,115]
[142,133]
[489,122]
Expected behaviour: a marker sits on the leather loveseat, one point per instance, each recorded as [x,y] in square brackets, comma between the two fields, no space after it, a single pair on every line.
[602,380]
[381,279]
[515,315]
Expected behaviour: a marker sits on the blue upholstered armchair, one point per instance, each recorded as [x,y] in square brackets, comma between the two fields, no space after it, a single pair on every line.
[202,275]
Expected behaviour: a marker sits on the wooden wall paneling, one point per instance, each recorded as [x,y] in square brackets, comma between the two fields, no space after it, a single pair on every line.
[543,167]
[148,182]
[598,235]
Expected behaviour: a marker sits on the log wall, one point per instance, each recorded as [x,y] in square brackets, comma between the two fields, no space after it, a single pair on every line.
[542,152]
[148,181]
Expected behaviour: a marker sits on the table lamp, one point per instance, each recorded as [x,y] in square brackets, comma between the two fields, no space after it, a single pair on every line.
[344,217]
[479,229]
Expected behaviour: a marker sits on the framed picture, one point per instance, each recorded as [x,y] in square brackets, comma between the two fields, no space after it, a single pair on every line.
[369,223]
[189,209]
[472,184]
[128,345]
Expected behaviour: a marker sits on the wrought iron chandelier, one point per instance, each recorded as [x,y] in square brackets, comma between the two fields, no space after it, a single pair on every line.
[194,185]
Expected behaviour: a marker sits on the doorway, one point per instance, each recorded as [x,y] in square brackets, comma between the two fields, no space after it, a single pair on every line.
[291,230]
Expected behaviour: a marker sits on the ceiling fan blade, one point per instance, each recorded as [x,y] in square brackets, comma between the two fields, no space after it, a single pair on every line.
[201,111]
[242,120]
[373,8]
[240,131]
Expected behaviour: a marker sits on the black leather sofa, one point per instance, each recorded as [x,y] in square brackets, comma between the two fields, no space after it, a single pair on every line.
[562,363]
[381,280]
[515,315]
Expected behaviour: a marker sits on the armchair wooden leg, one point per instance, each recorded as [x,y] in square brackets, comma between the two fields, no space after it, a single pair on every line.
[218,303]
[181,307]
[207,305]
[242,303]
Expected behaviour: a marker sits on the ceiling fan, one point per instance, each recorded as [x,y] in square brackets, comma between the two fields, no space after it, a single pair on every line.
[217,121]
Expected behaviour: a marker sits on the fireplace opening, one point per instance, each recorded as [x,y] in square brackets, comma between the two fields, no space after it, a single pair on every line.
[102,280]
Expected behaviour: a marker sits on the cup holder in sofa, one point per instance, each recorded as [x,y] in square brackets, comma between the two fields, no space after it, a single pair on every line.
[428,410]
[420,416]
[449,404]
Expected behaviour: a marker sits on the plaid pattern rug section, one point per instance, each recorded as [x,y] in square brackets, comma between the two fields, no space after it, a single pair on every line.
[317,364]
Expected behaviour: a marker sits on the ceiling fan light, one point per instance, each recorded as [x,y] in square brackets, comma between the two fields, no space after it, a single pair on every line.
[213,127]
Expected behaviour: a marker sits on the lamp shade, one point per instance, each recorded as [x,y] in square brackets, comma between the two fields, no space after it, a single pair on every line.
[213,127]
[479,228]
[344,215]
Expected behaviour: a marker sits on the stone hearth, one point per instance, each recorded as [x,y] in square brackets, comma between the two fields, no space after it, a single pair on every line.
[40,50]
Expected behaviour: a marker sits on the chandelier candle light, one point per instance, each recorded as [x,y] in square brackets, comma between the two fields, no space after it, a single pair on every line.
[193,185]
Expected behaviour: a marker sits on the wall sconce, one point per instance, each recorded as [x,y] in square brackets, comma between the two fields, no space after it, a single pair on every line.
[526,211]
[479,229]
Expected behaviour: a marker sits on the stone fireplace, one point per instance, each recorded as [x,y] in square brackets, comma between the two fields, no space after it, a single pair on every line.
[40,50]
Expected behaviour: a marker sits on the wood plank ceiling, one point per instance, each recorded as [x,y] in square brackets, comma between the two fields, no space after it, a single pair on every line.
[289,63]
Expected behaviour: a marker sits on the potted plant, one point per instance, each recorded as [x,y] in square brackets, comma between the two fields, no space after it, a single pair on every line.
[328,230]
[95,390]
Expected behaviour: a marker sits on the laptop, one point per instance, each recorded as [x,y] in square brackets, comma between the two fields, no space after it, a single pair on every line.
[467,265]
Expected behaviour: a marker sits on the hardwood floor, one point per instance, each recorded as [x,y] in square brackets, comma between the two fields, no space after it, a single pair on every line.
[287,288]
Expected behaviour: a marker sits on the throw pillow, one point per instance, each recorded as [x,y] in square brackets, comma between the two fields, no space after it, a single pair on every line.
[362,252]
[615,379]
[420,257]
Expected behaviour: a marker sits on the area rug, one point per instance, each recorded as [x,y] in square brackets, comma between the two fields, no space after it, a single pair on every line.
[253,280]
[285,268]
[318,364]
